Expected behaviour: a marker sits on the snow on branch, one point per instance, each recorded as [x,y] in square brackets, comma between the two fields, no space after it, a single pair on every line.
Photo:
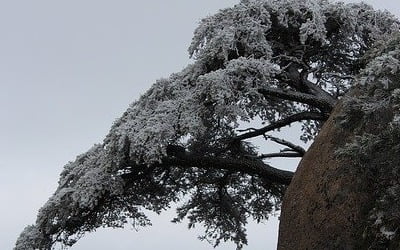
[248,166]
[312,100]
[235,77]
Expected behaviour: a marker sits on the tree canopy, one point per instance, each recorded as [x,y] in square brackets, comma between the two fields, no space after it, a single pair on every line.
[185,140]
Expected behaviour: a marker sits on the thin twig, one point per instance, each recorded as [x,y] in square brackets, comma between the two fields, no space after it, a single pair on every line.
[307,115]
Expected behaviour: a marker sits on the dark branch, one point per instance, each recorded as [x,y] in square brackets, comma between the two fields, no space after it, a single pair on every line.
[246,130]
[323,104]
[296,75]
[281,154]
[293,147]
[247,166]
[318,91]
[281,123]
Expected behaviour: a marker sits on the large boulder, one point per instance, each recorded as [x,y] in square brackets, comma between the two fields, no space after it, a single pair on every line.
[346,191]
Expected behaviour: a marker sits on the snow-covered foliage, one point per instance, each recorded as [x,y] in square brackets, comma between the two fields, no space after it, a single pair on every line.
[384,64]
[32,238]
[279,61]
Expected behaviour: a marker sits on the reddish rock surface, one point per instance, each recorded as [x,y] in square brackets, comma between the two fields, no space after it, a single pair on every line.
[324,206]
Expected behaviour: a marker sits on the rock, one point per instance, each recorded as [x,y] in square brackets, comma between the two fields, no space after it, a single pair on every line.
[336,198]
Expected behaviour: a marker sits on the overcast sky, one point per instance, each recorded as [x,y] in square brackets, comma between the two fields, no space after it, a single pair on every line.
[68,69]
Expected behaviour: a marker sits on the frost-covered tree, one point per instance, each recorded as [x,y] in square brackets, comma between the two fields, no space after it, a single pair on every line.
[185,141]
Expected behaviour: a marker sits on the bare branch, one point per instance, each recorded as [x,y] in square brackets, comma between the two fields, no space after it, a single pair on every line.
[281,154]
[246,130]
[293,147]
[281,123]
[286,150]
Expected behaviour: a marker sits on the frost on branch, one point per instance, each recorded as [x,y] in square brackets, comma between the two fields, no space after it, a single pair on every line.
[278,62]
[384,64]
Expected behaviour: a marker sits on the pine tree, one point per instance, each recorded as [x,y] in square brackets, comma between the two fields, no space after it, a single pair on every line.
[188,138]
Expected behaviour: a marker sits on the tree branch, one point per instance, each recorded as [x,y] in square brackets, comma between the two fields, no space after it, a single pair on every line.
[292,146]
[318,91]
[248,166]
[307,115]
[281,154]
[297,74]
[322,103]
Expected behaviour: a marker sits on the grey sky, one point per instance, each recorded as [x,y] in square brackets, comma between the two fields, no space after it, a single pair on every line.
[68,69]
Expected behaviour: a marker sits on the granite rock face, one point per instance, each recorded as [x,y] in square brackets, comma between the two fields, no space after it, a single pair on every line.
[346,193]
